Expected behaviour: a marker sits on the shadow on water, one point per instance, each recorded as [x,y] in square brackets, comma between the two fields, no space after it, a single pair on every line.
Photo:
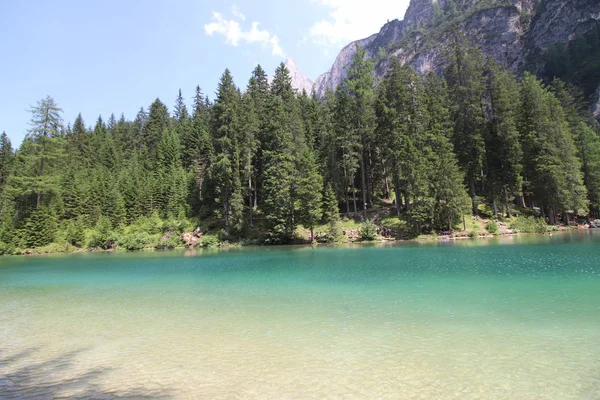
[23,378]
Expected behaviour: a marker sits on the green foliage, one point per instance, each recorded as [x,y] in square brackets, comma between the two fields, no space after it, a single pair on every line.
[492,227]
[75,232]
[260,164]
[210,241]
[137,241]
[169,242]
[7,248]
[528,224]
[578,62]
[102,236]
[40,228]
[368,231]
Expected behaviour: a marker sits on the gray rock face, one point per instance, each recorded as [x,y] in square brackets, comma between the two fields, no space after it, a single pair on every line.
[514,32]
[299,81]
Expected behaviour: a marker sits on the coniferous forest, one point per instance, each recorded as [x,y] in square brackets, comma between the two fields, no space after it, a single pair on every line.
[261,161]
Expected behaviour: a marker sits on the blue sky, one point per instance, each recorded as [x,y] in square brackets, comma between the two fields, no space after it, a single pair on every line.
[115,56]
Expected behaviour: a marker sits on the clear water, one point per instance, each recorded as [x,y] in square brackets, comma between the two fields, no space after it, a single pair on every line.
[514,318]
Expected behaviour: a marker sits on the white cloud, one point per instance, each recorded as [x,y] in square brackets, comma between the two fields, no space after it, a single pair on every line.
[237,13]
[350,20]
[234,34]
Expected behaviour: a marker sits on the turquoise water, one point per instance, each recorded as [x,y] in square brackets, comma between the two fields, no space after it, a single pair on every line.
[515,317]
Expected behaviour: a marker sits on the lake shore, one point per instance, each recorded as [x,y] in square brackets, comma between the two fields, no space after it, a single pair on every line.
[67,249]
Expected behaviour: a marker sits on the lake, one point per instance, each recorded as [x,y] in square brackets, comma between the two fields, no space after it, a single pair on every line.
[506,318]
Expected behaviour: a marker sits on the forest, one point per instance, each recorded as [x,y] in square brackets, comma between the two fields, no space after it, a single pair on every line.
[256,164]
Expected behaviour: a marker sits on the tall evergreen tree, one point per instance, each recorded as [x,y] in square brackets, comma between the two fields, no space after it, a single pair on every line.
[44,147]
[6,159]
[226,165]
[360,89]
[503,149]
[465,77]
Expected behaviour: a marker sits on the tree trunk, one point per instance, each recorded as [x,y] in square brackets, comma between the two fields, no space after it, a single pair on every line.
[495,208]
[255,194]
[250,200]
[312,234]
[397,192]
[387,186]
[507,204]
[354,198]
[347,202]
[473,196]
[363,185]
[39,193]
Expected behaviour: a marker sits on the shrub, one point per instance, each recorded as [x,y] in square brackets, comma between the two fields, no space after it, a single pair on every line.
[529,225]
[209,241]
[492,227]
[170,242]
[136,241]
[102,237]
[335,233]
[6,249]
[368,231]
[75,232]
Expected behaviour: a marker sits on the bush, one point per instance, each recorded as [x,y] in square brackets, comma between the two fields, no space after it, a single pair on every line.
[335,233]
[102,237]
[6,249]
[529,225]
[75,232]
[170,242]
[209,241]
[472,234]
[492,227]
[136,241]
[368,231]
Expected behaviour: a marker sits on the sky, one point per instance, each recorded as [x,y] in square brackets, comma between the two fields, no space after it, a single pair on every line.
[114,56]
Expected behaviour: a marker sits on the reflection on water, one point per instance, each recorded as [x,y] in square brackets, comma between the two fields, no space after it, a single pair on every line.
[469,319]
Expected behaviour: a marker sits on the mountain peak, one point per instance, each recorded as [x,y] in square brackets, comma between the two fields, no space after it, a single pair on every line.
[299,81]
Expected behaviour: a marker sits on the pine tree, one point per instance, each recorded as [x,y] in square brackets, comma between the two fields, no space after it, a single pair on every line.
[40,228]
[279,178]
[6,159]
[157,123]
[588,148]
[78,142]
[503,149]
[359,85]
[43,149]
[310,184]
[258,93]
[465,77]
[451,201]
[552,170]
[226,165]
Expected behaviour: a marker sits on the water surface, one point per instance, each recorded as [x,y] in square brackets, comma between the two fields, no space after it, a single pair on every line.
[514,318]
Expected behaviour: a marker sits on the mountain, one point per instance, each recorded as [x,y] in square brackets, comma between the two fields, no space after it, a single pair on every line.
[299,81]
[516,33]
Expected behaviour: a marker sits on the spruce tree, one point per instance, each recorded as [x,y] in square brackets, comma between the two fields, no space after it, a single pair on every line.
[6,159]
[309,187]
[226,164]
[465,77]
[359,85]
[503,149]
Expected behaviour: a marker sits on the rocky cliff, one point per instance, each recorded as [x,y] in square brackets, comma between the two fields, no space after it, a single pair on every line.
[299,81]
[515,32]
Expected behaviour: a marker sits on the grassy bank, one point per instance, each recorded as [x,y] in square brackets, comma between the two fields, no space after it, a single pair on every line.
[156,233]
